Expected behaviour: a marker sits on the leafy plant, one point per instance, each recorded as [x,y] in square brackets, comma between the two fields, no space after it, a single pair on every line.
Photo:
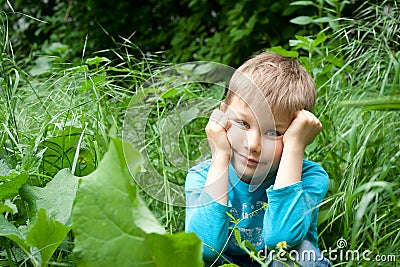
[49,219]
[106,203]
[327,12]
[225,32]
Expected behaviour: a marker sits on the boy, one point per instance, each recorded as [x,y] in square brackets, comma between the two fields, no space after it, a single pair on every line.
[257,139]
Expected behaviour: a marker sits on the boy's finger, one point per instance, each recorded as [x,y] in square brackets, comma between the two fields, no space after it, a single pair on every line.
[311,117]
[219,117]
[215,114]
[223,121]
[223,107]
[228,124]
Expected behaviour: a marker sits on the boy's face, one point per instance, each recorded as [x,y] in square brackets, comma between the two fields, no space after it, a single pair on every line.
[256,140]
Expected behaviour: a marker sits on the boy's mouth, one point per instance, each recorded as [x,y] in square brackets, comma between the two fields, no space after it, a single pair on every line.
[248,161]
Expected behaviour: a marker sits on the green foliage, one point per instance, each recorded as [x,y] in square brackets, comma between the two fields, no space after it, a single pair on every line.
[56,197]
[10,185]
[229,32]
[101,213]
[44,237]
[48,222]
[327,12]
[221,31]
[61,121]
[60,152]
[375,104]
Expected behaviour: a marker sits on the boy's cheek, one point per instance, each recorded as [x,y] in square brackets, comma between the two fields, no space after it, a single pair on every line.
[235,136]
[278,153]
[271,151]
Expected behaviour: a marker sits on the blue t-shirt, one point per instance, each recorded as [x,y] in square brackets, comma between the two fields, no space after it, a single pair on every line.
[291,214]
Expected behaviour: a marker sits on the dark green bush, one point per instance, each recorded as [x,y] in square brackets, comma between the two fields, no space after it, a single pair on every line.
[223,31]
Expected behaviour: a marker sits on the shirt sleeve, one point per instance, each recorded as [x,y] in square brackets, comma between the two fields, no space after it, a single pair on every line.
[204,216]
[292,209]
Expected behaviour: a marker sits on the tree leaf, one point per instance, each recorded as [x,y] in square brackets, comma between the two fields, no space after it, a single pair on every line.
[302,20]
[323,20]
[45,235]
[96,60]
[302,3]
[5,208]
[113,226]
[237,236]
[321,37]
[60,152]
[56,197]
[280,50]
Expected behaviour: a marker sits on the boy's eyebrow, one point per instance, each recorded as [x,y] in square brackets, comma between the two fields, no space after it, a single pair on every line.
[280,126]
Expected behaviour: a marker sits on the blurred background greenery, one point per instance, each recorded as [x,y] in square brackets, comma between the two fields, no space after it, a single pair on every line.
[224,31]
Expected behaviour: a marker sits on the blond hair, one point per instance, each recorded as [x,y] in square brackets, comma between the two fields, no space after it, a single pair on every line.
[279,81]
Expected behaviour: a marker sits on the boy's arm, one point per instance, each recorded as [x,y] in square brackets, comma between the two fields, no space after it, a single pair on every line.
[217,178]
[207,200]
[292,201]
[301,132]
[292,211]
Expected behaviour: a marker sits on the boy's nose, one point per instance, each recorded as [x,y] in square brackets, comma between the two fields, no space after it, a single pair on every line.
[253,141]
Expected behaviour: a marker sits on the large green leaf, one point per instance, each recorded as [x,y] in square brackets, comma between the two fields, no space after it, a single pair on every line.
[56,197]
[181,249]
[45,235]
[113,226]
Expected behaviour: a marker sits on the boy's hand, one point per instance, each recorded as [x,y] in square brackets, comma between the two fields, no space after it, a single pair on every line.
[217,135]
[303,129]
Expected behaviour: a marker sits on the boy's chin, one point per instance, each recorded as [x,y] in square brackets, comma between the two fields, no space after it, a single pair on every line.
[253,179]
[257,179]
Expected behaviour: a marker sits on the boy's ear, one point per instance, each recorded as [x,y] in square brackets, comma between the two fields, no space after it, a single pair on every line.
[223,107]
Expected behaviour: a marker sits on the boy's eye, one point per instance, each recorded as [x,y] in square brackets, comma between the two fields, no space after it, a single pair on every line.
[273,133]
[242,124]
